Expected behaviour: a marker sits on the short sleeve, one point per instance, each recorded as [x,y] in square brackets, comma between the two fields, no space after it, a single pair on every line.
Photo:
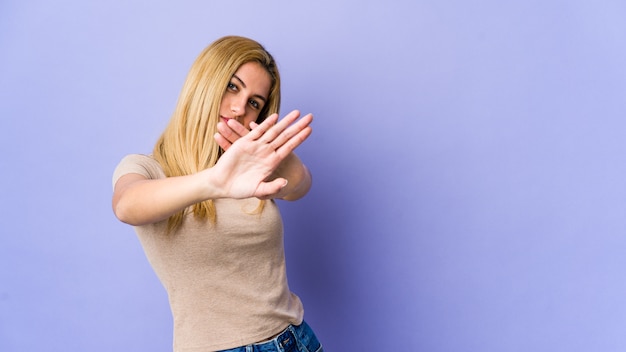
[138,164]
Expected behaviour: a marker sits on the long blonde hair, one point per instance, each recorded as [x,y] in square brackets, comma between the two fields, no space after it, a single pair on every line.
[187,145]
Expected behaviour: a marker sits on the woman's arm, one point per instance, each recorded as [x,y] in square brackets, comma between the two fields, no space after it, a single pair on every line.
[241,172]
[139,201]
[298,176]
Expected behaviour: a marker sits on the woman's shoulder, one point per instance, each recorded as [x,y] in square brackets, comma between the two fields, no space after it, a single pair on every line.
[139,159]
[142,164]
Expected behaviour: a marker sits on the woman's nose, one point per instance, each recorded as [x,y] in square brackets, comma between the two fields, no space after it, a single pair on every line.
[238,105]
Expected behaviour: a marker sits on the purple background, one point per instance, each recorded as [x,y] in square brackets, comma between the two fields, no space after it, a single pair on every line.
[468,158]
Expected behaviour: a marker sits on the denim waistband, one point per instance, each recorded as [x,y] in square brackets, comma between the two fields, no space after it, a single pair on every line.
[282,342]
[293,338]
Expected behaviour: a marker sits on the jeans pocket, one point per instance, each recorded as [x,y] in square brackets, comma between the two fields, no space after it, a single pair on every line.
[307,338]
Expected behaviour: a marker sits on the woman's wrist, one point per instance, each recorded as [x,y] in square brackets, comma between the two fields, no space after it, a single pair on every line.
[297,175]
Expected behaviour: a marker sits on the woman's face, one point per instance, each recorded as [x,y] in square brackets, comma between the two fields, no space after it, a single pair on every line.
[246,94]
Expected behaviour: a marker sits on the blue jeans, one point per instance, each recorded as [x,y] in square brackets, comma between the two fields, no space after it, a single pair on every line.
[299,338]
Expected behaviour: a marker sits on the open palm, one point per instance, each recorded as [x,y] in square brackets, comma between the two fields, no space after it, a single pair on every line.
[250,157]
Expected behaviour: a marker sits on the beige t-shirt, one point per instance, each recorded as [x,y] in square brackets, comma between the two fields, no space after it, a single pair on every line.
[226,282]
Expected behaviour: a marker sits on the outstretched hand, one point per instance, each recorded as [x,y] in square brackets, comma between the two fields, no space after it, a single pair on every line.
[250,157]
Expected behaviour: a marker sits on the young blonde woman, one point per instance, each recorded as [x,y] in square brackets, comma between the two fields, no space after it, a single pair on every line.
[203,205]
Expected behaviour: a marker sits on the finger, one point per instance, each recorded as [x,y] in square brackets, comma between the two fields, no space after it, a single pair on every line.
[227,132]
[268,189]
[292,131]
[279,127]
[237,127]
[222,142]
[260,129]
[293,142]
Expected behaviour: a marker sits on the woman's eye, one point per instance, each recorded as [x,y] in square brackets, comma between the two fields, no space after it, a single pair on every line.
[254,104]
[232,86]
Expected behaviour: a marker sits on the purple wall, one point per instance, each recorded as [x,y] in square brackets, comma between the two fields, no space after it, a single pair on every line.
[468,158]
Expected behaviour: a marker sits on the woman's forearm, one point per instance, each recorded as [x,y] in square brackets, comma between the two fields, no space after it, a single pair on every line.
[140,201]
[298,176]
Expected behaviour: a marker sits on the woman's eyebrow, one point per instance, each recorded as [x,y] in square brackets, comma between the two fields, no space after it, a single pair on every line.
[243,84]
[240,81]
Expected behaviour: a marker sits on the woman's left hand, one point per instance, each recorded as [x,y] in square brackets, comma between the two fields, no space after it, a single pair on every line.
[291,167]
